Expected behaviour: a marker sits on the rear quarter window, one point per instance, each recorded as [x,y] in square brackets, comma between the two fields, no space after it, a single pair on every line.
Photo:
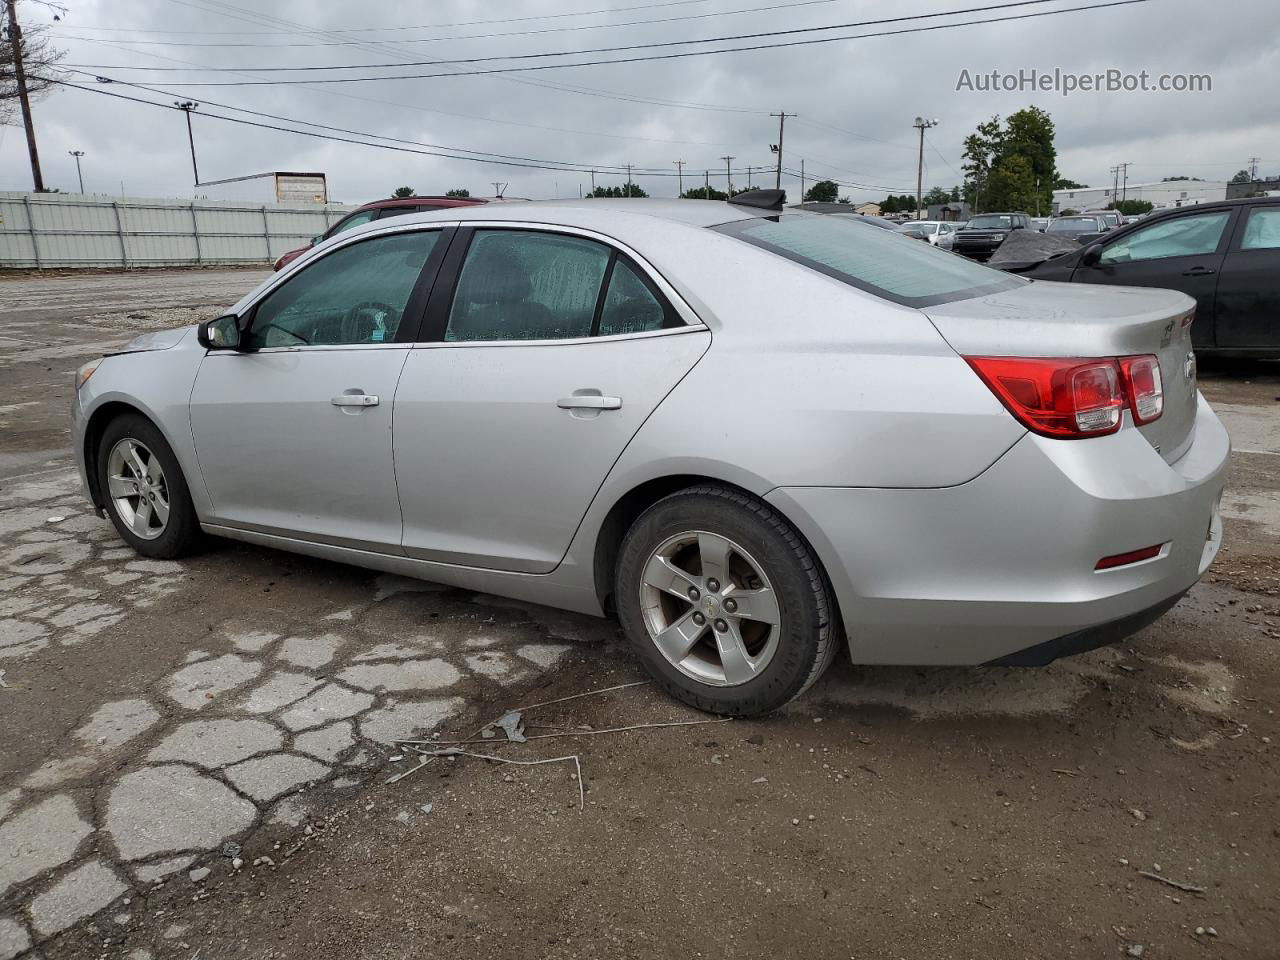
[890,265]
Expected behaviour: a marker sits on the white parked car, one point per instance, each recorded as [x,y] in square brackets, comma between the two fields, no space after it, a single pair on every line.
[940,233]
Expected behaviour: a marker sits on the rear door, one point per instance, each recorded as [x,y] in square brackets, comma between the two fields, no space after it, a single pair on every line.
[1248,314]
[547,352]
[1182,253]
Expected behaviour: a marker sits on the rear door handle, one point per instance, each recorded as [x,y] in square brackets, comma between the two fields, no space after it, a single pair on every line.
[354,400]
[1199,272]
[589,401]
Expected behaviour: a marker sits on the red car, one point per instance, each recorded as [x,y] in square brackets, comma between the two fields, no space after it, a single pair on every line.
[380,210]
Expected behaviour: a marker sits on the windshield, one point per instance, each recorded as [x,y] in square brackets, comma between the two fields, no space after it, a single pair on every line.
[991,222]
[889,265]
[1073,225]
[925,228]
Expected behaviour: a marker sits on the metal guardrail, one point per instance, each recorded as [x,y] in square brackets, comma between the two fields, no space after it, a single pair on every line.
[47,231]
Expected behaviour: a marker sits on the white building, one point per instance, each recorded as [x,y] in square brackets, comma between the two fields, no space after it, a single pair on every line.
[1166,193]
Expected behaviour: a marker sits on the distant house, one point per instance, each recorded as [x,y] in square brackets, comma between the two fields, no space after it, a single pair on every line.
[952,211]
[867,209]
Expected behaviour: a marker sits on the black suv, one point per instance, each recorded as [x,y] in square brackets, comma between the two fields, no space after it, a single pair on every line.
[986,231]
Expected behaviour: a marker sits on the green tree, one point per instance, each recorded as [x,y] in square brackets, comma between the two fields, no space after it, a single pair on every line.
[955,195]
[889,204]
[1068,212]
[845,200]
[992,182]
[824,191]
[626,190]
[1174,179]
[459,192]
[1062,183]
[402,192]
[938,195]
[704,193]
[1131,207]
[1241,177]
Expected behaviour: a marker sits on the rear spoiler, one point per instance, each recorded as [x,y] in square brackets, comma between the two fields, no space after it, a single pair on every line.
[761,199]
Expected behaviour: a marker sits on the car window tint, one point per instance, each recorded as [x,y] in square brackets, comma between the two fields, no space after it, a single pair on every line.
[524,285]
[354,295]
[885,263]
[1181,237]
[355,220]
[630,306]
[1262,232]
[388,212]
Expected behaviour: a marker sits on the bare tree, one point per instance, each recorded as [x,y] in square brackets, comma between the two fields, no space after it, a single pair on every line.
[40,58]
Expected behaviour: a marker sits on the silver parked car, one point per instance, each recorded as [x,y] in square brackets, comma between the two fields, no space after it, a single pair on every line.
[757,437]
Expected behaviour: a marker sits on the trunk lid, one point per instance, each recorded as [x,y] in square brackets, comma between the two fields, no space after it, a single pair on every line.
[1048,319]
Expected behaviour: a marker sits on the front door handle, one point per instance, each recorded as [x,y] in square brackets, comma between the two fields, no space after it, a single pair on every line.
[354,400]
[589,401]
[1199,272]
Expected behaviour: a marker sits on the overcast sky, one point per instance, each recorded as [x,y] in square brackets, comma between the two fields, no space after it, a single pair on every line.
[856,99]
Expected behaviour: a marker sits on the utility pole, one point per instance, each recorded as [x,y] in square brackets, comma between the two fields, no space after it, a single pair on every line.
[1253,164]
[186,106]
[777,147]
[679,177]
[593,183]
[626,190]
[802,179]
[498,187]
[707,176]
[78,154]
[1124,183]
[922,125]
[20,78]
[749,169]
[728,177]
[1115,182]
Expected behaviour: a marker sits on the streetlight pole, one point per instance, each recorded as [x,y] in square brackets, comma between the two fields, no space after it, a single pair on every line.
[186,106]
[922,125]
[78,154]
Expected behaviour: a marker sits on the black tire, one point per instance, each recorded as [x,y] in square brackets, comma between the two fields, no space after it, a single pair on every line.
[809,633]
[181,535]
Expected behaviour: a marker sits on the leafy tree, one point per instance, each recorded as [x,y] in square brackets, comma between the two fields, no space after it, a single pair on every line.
[889,204]
[39,58]
[938,195]
[458,192]
[626,190]
[1068,212]
[824,191]
[1173,179]
[1131,207]
[402,192]
[844,200]
[1241,177]
[955,195]
[1062,183]
[992,181]
[704,193]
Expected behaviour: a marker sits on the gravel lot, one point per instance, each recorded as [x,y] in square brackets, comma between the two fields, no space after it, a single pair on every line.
[234,713]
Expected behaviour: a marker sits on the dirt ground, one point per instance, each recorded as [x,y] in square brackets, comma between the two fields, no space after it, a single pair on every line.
[891,813]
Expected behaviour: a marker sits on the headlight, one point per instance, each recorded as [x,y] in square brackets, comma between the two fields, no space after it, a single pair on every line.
[85,372]
[998,237]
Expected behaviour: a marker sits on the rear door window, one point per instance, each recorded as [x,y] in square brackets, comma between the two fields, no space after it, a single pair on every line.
[1262,230]
[630,306]
[355,220]
[882,262]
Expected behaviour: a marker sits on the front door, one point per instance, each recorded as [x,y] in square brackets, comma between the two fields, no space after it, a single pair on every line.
[293,434]
[548,358]
[1249,288]
[1180,253]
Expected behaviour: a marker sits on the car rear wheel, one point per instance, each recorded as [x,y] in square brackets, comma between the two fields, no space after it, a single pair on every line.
[144,490]
[723,601]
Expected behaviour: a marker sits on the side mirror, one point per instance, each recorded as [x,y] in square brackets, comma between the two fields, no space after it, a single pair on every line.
[1092,254]
[222,333]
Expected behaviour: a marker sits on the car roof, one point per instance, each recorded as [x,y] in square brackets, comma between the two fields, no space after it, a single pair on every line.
[391,202]
[596,211]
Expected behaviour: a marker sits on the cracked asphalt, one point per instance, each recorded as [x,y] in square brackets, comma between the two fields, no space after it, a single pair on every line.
[194,754]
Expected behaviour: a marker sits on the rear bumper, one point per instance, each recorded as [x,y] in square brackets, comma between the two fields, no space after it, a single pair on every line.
[991,568]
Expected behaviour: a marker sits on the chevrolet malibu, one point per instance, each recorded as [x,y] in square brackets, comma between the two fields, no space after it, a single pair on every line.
[756,437]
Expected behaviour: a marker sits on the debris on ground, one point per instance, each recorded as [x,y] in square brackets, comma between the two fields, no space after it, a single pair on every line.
[512,724]
[1186,887]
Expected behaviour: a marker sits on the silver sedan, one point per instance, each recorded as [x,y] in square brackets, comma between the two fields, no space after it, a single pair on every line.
[755,437]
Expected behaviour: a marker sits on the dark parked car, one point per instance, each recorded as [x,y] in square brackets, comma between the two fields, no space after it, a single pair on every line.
[1226,255]
[985,232]
[379,210]
[1085,227]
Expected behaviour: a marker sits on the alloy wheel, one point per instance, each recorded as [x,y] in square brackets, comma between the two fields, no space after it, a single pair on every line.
[138,488]
[709,608]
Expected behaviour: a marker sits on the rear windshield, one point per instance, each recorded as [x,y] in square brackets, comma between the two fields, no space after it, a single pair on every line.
[888,264]
[1073,225]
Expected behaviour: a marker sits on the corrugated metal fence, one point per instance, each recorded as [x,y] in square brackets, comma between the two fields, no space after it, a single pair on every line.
[44,230]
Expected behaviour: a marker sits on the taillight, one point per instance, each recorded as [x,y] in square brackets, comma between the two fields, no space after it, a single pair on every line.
[1146,388]
[1070,398]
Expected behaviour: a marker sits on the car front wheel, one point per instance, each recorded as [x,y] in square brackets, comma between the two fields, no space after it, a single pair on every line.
[724,602]
[144,490]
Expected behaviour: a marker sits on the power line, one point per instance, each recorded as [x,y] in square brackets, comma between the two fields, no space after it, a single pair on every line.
[670,56]
[624,48]
[470,36]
